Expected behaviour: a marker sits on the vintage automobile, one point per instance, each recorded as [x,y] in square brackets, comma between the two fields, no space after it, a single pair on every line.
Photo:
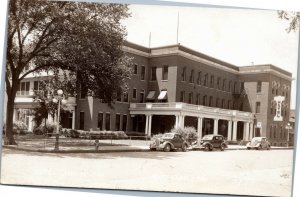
[259,143]
[210,142]
[168,142]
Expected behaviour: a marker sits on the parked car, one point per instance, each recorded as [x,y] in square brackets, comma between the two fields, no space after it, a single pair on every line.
[259,143]
[168,142]
[210,142]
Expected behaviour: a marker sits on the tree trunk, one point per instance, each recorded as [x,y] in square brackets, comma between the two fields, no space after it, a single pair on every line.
[9,120]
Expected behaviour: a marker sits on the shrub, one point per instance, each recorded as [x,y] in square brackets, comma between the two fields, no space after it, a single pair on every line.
[19,128]
[157,136]
[188,133]
[107,135]
[48,130]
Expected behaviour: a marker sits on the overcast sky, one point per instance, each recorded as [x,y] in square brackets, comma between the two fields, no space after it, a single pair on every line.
[237,36]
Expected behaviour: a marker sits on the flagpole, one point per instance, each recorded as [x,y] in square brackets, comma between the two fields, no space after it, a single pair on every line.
[177,26]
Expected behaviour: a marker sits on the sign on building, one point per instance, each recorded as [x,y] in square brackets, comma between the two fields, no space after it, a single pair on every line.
[278,100]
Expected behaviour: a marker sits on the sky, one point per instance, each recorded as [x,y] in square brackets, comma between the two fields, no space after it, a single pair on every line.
[238,36]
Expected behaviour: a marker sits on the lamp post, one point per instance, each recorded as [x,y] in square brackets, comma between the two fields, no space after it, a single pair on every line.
[288,127]
[60,100]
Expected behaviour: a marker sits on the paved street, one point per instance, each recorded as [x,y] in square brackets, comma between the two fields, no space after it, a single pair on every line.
[230,172]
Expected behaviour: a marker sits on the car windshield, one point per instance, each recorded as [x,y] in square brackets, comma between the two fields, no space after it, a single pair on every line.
[256,139]
[168,135]
[207,137]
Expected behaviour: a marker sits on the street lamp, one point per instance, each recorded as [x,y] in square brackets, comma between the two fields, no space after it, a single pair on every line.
[288,127]
[60,100]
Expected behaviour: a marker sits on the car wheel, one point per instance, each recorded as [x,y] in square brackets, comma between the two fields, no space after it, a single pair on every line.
[152,149]
[268,147]
[207,147]
[259,148]
[167,148]
[248,148]
[184,147]
[222,147]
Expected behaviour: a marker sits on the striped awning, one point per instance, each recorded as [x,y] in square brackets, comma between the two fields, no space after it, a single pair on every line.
[151,95]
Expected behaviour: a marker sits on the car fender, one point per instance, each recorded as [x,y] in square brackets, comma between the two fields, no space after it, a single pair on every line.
[165,143]
[258,144]
[224,144]
[205,143]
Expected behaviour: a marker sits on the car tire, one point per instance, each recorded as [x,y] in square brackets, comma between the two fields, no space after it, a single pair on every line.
[259,147]
[152,149]
[268,147]
[184,148]
[222,147]
[207,147]
[167,148]
[248,148]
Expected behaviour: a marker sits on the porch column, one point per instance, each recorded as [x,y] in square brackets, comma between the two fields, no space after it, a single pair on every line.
[234,134]
[146,127]
[181,121]
[73,119]
[216,120]
[244,131]
[149,126]
[247,130]
[15,115]
[251,131]
[199,129]
[229,130]
[176,121]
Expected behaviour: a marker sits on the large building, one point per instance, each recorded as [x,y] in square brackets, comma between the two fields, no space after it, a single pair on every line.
[174,86]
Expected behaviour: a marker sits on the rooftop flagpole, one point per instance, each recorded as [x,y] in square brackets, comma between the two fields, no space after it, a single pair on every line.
[177,27]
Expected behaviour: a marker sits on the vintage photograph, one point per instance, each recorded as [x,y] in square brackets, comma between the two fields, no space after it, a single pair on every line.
[150,97]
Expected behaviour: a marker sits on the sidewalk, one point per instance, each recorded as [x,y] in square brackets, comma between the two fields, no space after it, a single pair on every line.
[109,149]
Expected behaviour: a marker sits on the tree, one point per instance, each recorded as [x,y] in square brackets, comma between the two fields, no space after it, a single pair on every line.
[83,38]
[292,17]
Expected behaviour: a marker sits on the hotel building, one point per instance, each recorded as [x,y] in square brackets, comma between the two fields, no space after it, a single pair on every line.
[174,86]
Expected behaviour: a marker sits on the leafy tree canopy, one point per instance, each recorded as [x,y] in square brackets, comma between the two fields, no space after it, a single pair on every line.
[292,17]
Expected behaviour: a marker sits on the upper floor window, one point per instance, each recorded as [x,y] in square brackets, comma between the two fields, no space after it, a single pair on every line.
[219,83]
[198,99]
[165,73]
[135,69]
[224,85]
[258,87]
[223,103]
[125,97]
[210,103]
[190,98]
[134,93]
[229,86]
[206,80]
[199,78]
[83,92]
[212,81]
[229,104]
[192,77]
[183,74]
[182,94]
[235,87]
[204,100]
[153,73]
[217,102]
[257,108]
[242,87]
[24,88]
[143,72]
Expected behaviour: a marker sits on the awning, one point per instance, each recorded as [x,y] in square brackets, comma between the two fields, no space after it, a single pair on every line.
[151,95]
[162,95]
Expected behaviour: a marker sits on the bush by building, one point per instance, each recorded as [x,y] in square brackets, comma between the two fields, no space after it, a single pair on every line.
[188,133]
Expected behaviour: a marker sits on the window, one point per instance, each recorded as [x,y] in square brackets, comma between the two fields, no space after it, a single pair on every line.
[271,132]
[24,88]
[142,96]
[224,85]
[223,103]
[165,73]
[153,73]
[134,93]
[125,97]
[235,87]
[36,85]
[100,120]
[199,78]
[81,120]
[229,104]
[206,80]
[210,101]
[182,93]
[229,86]
[198,99]
[257,109]
[83,92]
[258,87]
[204,99]
[217,102]
[135,69]
[117,123]
[124,123]
[242,87]
[212,81]
[219,83]
[183,74]
[192,77]
[107,121]
[190,98]
[119,97]
[142,72]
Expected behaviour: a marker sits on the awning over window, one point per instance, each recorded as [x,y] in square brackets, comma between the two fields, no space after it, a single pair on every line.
[162,95]
[151,95]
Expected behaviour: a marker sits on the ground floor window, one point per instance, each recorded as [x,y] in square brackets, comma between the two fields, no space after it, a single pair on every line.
[100,121]
[107,121]
[124,123]
[117,123]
